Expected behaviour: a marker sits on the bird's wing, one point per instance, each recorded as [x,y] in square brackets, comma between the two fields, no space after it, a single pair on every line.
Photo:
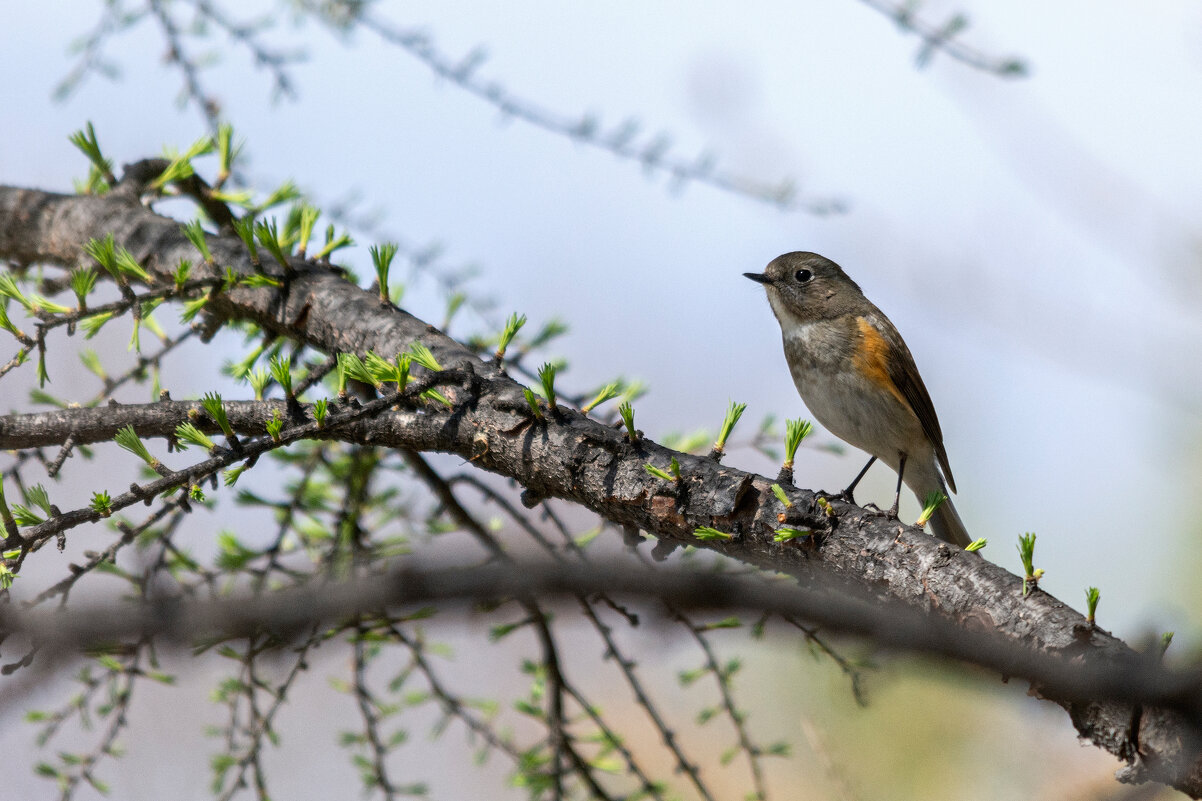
[904,374]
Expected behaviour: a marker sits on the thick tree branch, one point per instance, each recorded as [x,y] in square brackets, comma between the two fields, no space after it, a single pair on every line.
[570,456]
[293,612]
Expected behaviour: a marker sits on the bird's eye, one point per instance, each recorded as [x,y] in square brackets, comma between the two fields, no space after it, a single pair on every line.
[803,276]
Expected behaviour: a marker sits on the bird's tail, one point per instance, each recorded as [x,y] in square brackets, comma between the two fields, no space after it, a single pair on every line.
[947,526]
[945,523]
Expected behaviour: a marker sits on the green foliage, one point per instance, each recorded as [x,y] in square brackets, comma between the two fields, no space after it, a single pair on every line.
[551,329]
[930,503]
[146,319]
[189,434]
[42,306]
[7,324]
[380,369]
[183,271]
[281,371]
[976,545]
[232,554]
[610,390]
[626,411]
[1092,596]
[512,326]
[104,252]
[333,243]
[192,308]
[92,324]
[94,184]
[259,379]
[733,413]
[689,443]
[34,496]
[546,376]
[230,477]
[5,513]
[42,397]
[435,395]
[779,492]
[240,370]
[230,279]
[275,425]
[24,516]
[38,496]
[128,439]
[352,367]
[786,534]
[672,475]
[216,409]
[87,144]
[82,282]
[423,356]
[401,376]
[706,533]
[180,166]
[43,375]
[102,504]
[196,235]
[321,408]
[381,257]
[795,432]
[305,218]
[244,227]
[1026,552]
[284,193]
[532,402]
[10,290]
[128,265]
[116,260]
[225,152]
[455,302]
[268,235]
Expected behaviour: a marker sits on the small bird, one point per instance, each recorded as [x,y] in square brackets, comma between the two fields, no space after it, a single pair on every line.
[856,375]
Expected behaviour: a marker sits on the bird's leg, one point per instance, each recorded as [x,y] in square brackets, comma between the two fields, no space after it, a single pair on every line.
[847,493]
[901,469]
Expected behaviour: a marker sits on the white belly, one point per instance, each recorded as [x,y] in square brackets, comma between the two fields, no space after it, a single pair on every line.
[874,421]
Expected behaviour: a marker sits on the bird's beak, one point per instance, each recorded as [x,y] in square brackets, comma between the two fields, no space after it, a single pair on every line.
[759,278]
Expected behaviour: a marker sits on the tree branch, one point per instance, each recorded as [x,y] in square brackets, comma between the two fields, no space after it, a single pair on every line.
[942,38]
[293,612]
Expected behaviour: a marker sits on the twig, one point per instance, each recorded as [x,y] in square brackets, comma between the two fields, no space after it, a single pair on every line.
[737,718]
[942,38]
[371,722]
[652,155]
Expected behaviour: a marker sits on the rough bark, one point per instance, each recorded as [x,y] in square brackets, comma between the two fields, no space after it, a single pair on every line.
[570,456]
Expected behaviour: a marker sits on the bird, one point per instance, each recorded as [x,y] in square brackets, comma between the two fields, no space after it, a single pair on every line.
[857,377]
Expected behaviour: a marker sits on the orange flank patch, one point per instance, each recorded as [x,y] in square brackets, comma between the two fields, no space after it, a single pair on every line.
[872,358]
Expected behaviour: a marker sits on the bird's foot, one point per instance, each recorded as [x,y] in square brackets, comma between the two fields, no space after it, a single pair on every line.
[876,511]
[844,496]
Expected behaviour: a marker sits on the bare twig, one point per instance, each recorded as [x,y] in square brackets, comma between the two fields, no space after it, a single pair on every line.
[624,141]
[837,608]
[942,38]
